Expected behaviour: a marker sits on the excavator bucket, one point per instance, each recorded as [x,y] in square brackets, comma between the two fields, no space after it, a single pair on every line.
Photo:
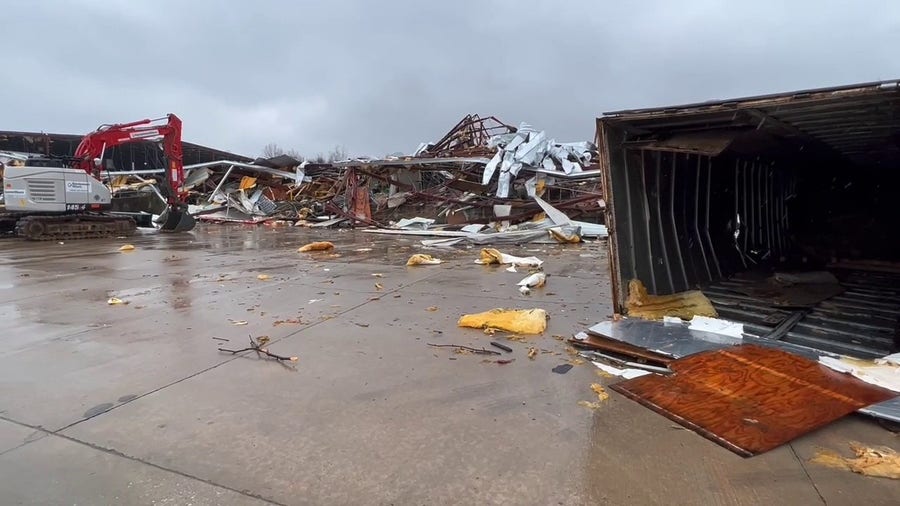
[176,219]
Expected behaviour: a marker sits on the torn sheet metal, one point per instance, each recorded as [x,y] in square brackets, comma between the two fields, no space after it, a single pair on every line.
[627,373]
[717,326]
[196,177]
[751,399]
[454,237]
[560,218]
[296,176]
[414,223]
[884,372]
[673,339]
[233,216]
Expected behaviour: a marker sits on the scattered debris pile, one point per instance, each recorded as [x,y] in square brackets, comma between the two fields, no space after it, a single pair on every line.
[482,172]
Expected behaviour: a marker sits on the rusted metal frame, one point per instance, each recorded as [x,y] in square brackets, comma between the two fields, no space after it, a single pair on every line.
[426,194]
[697,235]
[596,193]
[490,201]
[672,222]
[659,220]
[449,135]
[386,179]
[477,132]
[331,207]
[604,139]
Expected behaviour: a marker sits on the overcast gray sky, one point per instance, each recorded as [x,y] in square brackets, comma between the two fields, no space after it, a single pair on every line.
[381,76]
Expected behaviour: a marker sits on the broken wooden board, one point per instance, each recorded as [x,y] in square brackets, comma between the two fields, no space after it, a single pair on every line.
[603,343]
[751,399]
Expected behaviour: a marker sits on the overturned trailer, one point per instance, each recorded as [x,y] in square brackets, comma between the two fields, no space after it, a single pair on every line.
[710,195]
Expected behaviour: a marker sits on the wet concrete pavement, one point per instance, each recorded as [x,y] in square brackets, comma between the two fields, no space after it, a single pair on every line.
[133,404]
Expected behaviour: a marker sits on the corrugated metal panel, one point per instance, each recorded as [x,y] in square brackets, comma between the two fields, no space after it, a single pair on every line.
[860,121]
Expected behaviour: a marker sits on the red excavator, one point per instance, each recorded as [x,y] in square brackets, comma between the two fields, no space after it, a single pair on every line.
[65,198]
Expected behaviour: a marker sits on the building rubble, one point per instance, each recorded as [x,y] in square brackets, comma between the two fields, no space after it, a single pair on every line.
[482,180]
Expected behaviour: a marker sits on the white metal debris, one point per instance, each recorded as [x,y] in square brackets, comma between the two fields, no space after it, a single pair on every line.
[883,372]
[533,281]
[627,373]
[531,149]
[717,326]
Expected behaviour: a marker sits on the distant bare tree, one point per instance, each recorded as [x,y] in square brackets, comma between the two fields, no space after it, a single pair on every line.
[293,153]
[337,154]
[271,150]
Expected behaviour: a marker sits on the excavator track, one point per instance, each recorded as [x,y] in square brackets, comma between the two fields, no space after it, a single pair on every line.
[74,226]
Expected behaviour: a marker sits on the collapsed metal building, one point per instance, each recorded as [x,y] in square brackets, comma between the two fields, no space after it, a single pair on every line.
[704,195]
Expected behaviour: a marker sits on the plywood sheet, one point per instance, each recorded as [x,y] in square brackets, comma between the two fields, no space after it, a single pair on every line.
[751,399]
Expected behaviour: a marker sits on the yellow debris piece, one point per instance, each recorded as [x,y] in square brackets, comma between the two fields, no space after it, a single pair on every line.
[316,246]
[127,247]
[114,301]
[519,321]
[560,236]
[601,392]
[247,182]
[881,462]
[422,259]
[684,305]
[491,256]
[263,277]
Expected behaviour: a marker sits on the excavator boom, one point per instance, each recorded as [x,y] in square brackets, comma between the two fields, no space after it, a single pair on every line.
[94,144]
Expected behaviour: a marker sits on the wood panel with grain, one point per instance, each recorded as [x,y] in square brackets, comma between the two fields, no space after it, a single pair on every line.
[751,399]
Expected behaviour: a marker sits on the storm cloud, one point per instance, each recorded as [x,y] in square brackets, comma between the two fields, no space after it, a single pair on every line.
[380,77]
